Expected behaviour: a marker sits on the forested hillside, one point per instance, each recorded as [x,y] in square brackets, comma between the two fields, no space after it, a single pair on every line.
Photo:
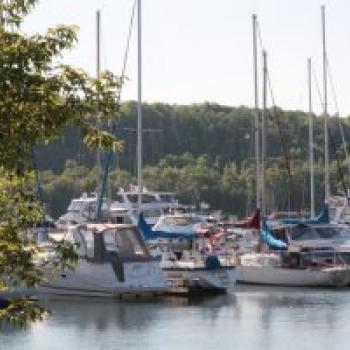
[203,152]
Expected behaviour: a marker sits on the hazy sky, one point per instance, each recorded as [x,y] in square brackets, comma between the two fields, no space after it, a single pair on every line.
[201,50]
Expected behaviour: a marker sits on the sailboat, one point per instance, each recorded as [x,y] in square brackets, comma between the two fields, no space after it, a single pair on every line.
[277,260]
[288,262]
[113,258]
[187,268]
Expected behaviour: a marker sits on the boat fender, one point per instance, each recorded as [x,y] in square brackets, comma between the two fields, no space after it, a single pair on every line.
[212,262]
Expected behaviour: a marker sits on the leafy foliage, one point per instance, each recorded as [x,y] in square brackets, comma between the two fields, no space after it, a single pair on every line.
[39,97]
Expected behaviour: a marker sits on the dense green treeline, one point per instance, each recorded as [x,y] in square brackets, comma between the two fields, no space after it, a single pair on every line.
[230,188]
[209,129]
[201,152]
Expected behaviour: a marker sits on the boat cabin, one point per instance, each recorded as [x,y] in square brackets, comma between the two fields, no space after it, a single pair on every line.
[109,243]
[309,244]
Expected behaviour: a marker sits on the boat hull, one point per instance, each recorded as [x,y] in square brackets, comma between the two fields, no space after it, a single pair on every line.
[201,279]
[338,276]
[100,280]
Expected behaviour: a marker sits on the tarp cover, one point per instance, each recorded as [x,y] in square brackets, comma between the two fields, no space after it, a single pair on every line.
[267,237]
[252,222]
[149,234]
[322,218]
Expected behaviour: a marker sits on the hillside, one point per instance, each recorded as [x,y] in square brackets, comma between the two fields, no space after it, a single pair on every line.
[206,150]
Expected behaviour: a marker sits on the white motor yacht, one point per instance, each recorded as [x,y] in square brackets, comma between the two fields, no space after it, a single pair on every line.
[153,204]
[113,261]
[80,211]
[123,207]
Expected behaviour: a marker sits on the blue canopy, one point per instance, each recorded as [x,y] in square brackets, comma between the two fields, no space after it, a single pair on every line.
[322,218]
[267,237]
[149,234]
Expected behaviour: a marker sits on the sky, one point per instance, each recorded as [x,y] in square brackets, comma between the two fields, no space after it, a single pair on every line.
[198,51]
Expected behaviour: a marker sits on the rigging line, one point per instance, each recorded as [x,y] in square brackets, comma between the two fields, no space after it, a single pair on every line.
[345,147]
[127,48]
[331,138]
[279,126]
[332,86]
[113,127]
[340,170]
[317,86]
[282,139]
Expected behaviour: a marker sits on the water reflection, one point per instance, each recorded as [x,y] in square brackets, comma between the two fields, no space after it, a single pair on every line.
[248,318]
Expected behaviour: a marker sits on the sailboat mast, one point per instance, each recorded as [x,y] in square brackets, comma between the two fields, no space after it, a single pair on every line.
[98,71]
[98,42]
[256,115]
[325,112]
[263,135]
[311,142]
[139,106]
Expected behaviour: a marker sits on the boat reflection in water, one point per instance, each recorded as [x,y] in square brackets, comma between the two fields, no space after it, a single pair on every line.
[252,318]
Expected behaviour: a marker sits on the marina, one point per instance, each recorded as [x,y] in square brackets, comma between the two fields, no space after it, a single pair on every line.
[136,224]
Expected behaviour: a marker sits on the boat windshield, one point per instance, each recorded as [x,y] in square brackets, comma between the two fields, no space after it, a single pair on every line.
[149,213]
[126,242]
[314,233]
[181,220]
[146,198]
[167,198]
[79,205]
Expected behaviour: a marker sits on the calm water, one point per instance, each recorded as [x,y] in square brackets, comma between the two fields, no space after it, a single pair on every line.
[249,318]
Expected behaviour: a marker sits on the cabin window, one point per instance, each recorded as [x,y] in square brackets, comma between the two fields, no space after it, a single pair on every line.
[181,220]
[311,232]
[306,234]
[332,232]
[167,198]
[118,198]
[129,245]
[109,238]
[280,235]
[149,198]
[89,241]
[78,238]
[152,213]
